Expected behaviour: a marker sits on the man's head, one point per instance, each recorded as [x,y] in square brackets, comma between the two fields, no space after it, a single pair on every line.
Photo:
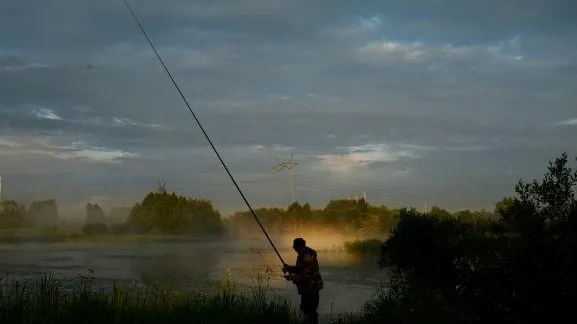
[299,244]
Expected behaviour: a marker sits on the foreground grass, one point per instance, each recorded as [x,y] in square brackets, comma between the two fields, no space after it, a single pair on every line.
[47,301]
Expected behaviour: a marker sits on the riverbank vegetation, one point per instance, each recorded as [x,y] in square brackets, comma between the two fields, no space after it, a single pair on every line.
[518,266]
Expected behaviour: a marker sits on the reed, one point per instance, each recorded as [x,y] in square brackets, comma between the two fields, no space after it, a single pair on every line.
[47,300]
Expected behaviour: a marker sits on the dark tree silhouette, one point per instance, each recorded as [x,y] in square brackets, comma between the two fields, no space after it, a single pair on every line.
[517,267]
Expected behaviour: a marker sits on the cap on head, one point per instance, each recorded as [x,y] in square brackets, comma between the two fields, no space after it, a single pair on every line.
[299,242]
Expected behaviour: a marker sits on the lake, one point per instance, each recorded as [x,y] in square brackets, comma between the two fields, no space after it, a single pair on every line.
[194,266]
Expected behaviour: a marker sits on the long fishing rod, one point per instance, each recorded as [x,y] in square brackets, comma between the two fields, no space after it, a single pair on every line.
[202,129]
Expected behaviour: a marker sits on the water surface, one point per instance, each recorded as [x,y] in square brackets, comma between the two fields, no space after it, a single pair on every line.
[195,266]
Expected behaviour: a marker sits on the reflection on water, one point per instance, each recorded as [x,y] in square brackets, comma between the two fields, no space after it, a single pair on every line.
[186,266]
[192,266]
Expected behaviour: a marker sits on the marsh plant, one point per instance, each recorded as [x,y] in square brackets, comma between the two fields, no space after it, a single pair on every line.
[47,300]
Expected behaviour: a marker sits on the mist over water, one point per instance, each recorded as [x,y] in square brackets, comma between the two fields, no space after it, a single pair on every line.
[197,266]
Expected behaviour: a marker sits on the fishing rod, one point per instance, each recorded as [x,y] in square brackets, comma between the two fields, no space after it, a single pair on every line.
[202,129]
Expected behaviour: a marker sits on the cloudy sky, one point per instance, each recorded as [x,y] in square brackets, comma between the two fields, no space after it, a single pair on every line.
[440,102]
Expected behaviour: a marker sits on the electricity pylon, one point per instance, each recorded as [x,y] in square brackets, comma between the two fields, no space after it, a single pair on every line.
[161,188]
[281,166]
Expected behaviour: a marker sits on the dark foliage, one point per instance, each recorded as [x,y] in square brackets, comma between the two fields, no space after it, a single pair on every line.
[517,267]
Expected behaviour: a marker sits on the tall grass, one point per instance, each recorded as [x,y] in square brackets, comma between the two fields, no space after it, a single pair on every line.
[47,300]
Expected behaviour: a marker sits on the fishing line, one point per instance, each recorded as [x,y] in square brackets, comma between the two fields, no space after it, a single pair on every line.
[202,128]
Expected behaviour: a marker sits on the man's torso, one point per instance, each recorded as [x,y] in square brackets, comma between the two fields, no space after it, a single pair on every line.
[310,279]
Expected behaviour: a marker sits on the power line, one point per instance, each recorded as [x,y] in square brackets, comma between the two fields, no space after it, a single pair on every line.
[202,128]
[257,180]
[332,188]
[336,185]
[313,182]
[318,185]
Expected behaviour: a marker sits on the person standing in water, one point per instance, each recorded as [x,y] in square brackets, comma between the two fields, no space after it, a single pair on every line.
[306,276]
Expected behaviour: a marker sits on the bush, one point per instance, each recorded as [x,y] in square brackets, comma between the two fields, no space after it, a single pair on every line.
[426,246]
[518,267]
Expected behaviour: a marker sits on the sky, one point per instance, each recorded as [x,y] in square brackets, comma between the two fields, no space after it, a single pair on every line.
[416,103]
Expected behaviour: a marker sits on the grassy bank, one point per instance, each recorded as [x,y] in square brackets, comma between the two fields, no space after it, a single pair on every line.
[47,301]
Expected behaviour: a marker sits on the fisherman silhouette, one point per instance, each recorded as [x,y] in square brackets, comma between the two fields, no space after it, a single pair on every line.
[306,276]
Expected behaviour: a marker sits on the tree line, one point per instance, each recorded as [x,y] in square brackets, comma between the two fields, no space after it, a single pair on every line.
[161,212]
[347,216]
[157,213]
[14,215]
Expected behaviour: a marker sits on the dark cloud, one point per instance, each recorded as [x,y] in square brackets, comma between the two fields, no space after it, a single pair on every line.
[411,101]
